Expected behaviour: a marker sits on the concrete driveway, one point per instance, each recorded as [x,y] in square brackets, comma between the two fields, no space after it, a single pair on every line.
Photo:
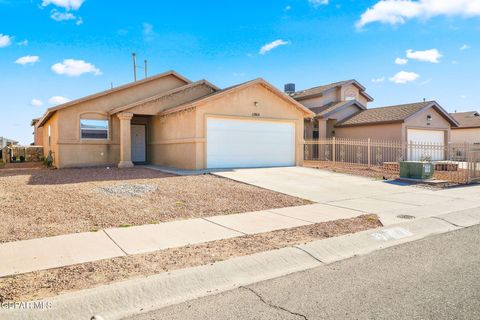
[390,200]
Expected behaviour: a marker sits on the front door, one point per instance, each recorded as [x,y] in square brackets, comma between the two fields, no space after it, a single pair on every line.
[139,145]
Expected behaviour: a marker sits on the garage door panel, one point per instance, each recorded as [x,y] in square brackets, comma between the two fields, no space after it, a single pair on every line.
[430,144]
[233,143]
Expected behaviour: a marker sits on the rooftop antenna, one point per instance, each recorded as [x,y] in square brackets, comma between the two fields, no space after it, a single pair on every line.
[135,67]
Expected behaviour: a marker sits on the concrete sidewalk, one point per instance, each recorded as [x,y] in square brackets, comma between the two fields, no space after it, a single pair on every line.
[59,251]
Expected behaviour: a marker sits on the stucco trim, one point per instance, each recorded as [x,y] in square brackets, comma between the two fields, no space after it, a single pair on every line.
[342,107]
[164,94]
[220,94]
[52,110]
[440,110]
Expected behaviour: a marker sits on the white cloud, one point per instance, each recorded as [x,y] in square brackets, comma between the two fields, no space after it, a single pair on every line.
[56,100]
[36,102]
[287,8]
[23,43]
[401,61]
[5,40]
[272,45]
[27,60]
[432,55]
[465,47]
[399,11]
[317,3]
[65,4]
[404,77]
[378,80]
[74,68]
[62,16]
[148,32]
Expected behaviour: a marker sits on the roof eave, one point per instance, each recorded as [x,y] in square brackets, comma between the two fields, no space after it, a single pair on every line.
[368,123]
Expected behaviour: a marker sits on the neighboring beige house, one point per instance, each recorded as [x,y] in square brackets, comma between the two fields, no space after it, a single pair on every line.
[418,123]
[468,130]
[37,133]
[331,103]
[168,120]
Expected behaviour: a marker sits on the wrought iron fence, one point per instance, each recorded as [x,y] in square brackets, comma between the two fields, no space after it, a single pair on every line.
[454,162]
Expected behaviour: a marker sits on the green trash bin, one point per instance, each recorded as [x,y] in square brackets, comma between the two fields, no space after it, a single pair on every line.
[416,170]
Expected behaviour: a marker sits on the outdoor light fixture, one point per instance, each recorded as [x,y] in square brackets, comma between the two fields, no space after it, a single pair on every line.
[429,118]
[255,103]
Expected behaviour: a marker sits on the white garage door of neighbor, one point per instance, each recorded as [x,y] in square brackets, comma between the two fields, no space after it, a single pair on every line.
[235,143]
[425,137]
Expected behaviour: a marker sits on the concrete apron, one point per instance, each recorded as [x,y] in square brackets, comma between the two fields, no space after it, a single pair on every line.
[131,297]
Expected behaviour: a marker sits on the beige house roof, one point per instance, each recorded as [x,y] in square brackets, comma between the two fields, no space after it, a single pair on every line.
[319,90]
[393,114]
[51,111]
[335,106]
[218,94]
[470,119]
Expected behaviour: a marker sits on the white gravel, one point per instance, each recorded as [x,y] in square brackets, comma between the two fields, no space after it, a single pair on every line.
[128,190]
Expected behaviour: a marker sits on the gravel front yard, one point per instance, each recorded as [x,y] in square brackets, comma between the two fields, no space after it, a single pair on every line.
[48,283]
[38,202]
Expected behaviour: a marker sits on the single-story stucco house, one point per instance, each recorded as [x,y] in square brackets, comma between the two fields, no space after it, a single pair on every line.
[468,130]
[168,120]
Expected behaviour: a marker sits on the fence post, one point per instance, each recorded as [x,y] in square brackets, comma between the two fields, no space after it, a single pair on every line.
[369,145]
[333,150]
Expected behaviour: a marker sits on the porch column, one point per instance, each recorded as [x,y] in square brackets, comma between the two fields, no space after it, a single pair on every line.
[125,140]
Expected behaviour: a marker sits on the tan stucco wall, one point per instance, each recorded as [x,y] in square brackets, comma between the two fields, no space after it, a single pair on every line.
[419,121]
[471,135]
[172,140]
[353,89]
[327,97]
[38,136]
[52,143]
[73,151]
[392,131]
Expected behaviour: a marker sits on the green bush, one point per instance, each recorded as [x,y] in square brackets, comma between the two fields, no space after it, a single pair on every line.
[2,164]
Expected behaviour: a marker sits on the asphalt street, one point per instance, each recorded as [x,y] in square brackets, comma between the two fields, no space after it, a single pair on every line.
[434,278]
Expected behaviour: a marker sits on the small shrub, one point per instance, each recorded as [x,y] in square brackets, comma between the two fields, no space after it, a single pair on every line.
[22,159]
[2,164]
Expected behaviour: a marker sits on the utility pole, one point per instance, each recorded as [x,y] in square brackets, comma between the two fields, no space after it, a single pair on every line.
[134,57]
[145,61]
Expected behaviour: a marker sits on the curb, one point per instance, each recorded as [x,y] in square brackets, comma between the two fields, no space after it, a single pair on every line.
[130,297]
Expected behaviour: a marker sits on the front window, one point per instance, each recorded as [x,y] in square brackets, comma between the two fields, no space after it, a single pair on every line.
[94,129]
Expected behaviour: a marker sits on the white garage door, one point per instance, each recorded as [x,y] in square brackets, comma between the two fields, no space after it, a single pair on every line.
[249,143]
[426,144]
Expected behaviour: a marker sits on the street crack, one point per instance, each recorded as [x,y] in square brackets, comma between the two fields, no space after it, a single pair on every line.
[274,306]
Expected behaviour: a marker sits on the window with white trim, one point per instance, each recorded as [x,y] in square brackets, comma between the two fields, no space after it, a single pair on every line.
[94,129]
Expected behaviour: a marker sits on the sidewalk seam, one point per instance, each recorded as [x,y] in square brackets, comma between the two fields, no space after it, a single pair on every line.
[220,225]
[104,231]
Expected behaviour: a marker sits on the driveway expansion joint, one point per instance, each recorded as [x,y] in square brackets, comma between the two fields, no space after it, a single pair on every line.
[274,306]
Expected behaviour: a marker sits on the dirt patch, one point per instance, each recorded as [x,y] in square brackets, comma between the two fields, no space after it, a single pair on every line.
[43,202]
[47,283]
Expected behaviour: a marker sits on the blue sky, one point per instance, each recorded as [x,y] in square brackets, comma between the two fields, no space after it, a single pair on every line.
[53,50]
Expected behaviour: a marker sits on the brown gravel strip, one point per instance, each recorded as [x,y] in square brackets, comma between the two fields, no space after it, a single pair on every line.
[47,283]
[40,202]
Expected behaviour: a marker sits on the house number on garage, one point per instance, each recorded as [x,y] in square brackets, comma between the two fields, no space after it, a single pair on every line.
[255,114]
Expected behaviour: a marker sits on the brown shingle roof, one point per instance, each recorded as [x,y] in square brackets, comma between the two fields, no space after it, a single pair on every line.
[469,119]
[299,95]
[388,114]
[329,107]
[318,89]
